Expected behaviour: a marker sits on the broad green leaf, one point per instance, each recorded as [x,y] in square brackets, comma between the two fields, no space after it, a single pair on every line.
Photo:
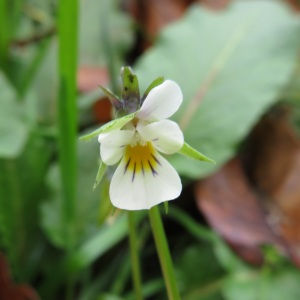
[107,236]
[112,125]
[87,200]
[13,124]
[198,270]
[100,173]
[231,66]
[275,285]
[190,152]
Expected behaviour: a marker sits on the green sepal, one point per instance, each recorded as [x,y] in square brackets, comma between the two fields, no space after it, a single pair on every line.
[112,125]
[108,93]
[100,173]
[190,152]
[166,205]
[114,99]
[130,91]
[154,83]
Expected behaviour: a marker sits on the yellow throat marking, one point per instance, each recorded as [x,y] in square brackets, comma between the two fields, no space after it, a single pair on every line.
[140,158]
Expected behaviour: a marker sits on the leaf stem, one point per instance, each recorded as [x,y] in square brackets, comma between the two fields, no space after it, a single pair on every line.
[163,253]
[134,256]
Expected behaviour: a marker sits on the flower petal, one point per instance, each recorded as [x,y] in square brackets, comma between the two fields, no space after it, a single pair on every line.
[132,190]
[165,135]
[113,145]
[162,102]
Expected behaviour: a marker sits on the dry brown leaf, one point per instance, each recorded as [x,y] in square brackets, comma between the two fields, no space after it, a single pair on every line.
[233,211]
[246,219]
[276,172]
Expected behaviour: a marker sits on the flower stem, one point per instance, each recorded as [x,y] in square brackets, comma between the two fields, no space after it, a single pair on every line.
[163,253]
[135,263]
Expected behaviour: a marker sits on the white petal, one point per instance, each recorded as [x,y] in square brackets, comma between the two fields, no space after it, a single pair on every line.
[165,135]
[144,189]
[101,136]
[162,101]
[113,145]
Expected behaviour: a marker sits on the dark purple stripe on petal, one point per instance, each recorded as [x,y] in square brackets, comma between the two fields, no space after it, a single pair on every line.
[133,174]
[155,159]
[152,169]
[127,164]
[142,165]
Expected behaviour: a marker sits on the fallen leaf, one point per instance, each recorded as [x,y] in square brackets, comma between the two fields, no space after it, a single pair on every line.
[233,210]
[275,172]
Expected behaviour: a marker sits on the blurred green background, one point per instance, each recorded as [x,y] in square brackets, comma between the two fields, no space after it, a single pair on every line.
[234,233]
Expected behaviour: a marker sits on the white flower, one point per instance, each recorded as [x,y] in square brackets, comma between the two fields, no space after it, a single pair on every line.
[144,178]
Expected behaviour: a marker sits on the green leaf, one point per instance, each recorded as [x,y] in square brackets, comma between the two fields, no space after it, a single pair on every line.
[14,128]
[253,285]
[199,273]
[87,200]
[190,152]
[112,125]
[231,66]
[100,173]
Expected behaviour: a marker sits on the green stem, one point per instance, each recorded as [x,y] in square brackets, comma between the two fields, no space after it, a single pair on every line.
[163,253]
[67,123]
[5,32]
[67,111]
[135,263]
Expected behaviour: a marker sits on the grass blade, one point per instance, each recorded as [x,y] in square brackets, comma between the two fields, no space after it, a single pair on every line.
[67,115]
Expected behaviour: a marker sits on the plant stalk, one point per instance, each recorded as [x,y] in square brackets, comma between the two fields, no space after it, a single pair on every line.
[163,253]
[134,256]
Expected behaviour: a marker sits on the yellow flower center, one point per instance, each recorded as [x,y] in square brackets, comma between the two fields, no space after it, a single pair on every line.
[140,158]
